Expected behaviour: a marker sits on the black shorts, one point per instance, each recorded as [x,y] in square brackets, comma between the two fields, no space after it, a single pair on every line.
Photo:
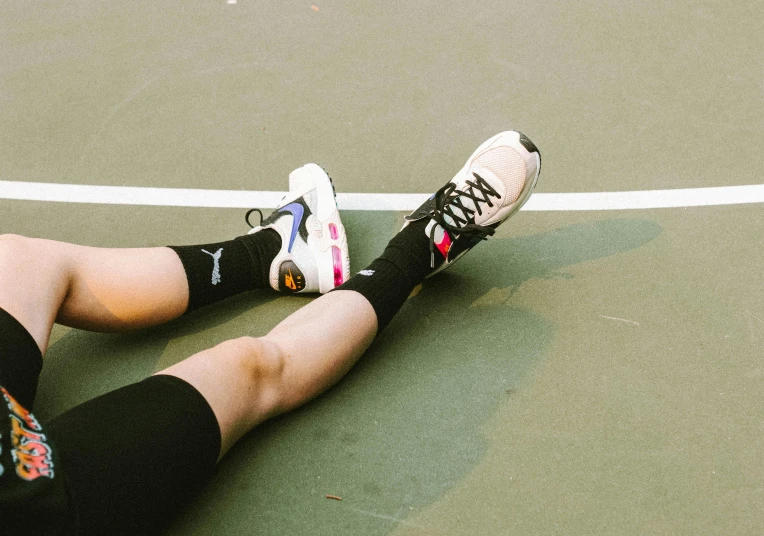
[122,463]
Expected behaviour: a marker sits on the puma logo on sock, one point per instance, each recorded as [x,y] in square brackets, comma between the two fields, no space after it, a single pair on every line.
[367,273]
[216,268]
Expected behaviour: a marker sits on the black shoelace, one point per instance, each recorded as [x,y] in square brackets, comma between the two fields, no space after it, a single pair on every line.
[249,212]
[448,200]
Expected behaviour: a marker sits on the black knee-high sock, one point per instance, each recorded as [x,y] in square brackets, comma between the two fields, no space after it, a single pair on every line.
[222,269]
[389,279]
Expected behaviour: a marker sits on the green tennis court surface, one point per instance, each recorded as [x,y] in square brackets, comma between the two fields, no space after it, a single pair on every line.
[580,373]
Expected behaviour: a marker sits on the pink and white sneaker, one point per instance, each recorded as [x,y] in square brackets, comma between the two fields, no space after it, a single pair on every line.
[494,183]
[314,249]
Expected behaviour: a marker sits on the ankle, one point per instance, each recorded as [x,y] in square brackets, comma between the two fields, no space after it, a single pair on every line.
[223,269]
[410,251]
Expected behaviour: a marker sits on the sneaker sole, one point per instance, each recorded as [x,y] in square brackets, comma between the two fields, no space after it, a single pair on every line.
[330,246]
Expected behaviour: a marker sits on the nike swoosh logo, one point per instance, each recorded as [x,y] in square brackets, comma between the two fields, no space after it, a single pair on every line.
[297,211]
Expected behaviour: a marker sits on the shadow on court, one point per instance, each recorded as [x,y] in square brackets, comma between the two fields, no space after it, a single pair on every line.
[402,428]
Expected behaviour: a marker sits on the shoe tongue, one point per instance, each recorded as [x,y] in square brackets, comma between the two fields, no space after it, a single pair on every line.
[489,177]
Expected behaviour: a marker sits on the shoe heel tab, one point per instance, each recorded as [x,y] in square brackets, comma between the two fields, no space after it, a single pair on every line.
[528,144]
[305,178]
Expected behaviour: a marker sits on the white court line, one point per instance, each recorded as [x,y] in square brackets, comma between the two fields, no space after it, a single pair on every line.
[183,197]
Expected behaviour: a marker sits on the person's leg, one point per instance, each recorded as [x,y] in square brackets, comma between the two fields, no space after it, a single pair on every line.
[248,380]
[91,288]
[300,248]
[127,461]
[102,289]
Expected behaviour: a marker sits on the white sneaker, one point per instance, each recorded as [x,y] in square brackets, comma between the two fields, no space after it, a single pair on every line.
[494,183]
[314,249]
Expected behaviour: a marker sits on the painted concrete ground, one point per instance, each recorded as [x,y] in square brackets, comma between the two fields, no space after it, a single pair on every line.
[580,373]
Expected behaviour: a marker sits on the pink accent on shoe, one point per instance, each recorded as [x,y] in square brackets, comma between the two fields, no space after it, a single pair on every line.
[333,231]
[337,257]
[444,245]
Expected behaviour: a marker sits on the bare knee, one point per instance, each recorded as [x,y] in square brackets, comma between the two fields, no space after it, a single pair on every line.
[8,237]
[263,359]
[262,363]
[31,285]
[33,263]
[19,264]
[11,243]
[17,250]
